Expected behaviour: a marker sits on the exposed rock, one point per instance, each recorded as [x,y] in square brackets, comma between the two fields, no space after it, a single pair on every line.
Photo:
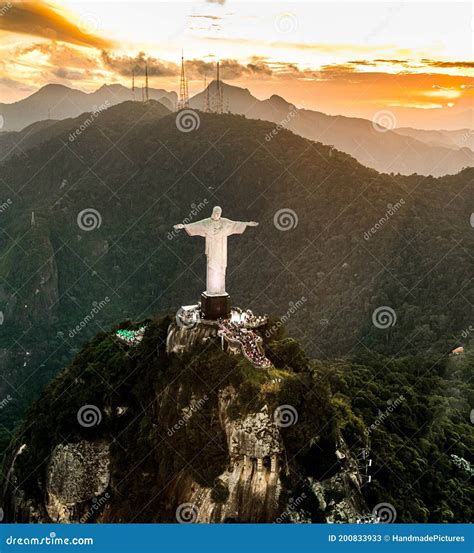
[76,473]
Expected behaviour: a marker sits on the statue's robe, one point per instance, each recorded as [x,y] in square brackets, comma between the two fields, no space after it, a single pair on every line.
[215,232]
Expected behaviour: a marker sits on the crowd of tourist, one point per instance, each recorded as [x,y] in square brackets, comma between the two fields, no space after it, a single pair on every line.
[248,341]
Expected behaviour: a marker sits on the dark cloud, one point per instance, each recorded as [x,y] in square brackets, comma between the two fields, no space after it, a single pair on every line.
[41,20]
[70,75]
[126,65]
[213,17]
[449,64]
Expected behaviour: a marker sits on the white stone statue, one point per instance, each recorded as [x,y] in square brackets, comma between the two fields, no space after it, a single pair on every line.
[215,229]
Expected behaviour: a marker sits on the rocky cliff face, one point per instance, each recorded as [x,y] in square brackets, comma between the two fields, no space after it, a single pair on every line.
[197,437]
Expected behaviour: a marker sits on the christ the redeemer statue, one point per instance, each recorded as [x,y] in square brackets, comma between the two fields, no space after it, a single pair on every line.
[215,229]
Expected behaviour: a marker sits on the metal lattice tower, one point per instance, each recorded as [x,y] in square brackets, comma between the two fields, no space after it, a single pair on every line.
[146,83]
[183,101]
[133,84]
[207,100]
[219,104]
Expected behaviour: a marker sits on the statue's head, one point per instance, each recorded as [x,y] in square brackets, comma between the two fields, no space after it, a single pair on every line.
[216,213]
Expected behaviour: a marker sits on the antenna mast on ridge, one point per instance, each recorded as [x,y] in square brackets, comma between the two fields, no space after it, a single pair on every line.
[146,82]
[219,93]
[183,87]
[133,84]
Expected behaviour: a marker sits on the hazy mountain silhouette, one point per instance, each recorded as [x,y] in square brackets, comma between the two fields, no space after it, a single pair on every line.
[56,101]
[388,151]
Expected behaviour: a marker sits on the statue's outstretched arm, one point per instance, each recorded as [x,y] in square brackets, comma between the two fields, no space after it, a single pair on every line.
[238,227]
[193,229]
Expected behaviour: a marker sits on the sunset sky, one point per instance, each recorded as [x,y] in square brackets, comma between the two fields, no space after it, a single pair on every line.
[349,58]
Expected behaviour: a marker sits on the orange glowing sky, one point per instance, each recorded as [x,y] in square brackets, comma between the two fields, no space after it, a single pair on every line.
[350,58]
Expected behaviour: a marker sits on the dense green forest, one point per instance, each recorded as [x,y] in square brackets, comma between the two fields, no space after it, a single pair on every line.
[348,252]
[135,167]
[412,446]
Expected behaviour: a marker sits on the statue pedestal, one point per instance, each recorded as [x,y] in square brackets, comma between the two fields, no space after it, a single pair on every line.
[215,307]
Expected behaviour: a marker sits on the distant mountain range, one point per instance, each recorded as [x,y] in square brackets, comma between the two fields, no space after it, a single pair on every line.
[388,151]
[56,101]
[405,150]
